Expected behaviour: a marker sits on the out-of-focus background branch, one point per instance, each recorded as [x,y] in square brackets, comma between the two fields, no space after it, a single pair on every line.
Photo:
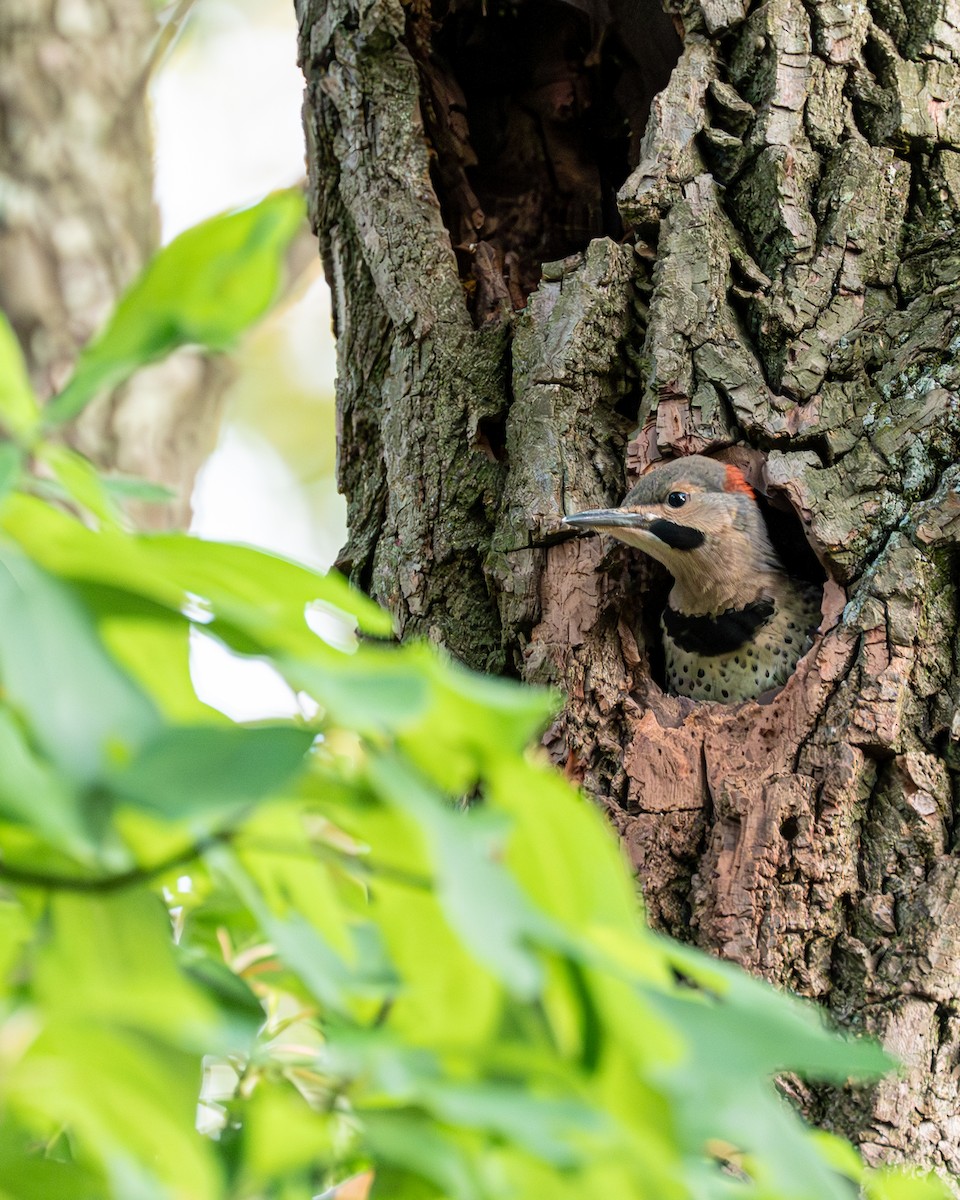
[226,103]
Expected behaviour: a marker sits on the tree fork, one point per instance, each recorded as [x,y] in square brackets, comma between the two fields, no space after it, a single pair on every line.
[786,296]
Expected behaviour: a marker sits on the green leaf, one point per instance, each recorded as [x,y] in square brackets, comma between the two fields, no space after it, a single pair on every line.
[205,288]
[137,983]
[839,1154]
[745,1021]
[15,933]
[443,996]
[117,1053]
[152,644]
[480,898]
[473,721]
[25,1174]
[299,945]
[82,709]
[132,487]
[19,410]
[281,1134]
[80,480]
[409,1140]
[187,771]
[390,1183]
[128,1099]
[571,865]
[262,594]
[552,1130]
[232,994]
[739,1032]
[377,690]
[902,1183]
[33,794]
[11,466]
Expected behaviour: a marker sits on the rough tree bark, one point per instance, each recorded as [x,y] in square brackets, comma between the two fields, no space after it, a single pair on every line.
[77,221]
[780,285]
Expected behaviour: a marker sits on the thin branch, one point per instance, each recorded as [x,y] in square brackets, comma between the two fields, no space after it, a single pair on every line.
[112,883]
[364,867]
[164,41]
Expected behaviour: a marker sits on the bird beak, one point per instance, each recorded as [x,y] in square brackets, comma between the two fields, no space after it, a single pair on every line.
[609,518]
[651,532]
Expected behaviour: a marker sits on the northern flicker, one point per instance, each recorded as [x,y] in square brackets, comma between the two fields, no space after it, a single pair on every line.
[736,622]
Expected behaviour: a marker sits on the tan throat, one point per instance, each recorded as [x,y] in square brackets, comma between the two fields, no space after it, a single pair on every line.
[732,571]
[700,596]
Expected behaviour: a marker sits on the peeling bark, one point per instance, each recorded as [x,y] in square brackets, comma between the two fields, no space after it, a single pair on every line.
[78,222]
[786,295]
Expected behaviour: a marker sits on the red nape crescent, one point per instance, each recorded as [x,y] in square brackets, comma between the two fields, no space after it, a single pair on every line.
[735,482]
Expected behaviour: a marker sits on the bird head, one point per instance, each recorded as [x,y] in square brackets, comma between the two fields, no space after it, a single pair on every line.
[699,518]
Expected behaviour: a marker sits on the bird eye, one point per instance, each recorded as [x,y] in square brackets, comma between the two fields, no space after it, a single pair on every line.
[677,499]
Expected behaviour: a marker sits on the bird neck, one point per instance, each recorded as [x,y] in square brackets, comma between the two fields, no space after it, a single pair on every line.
[709,595]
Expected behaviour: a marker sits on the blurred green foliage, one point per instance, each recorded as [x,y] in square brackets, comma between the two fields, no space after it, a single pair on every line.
[249,961]
[207,286]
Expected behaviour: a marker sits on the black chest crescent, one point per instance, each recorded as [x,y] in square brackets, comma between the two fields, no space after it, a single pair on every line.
[721,634]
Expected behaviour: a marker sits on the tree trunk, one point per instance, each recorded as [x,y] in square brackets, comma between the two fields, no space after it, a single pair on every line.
[778,286]
[78,222]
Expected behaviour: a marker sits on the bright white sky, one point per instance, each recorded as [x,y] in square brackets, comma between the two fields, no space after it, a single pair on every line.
[227,127]
[227,110]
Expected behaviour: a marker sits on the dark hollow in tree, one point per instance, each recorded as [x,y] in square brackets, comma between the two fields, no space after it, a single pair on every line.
[534,114]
